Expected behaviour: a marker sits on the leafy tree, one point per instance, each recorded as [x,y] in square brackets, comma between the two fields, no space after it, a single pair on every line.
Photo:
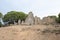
[14,16]
[58,19]
[1,15]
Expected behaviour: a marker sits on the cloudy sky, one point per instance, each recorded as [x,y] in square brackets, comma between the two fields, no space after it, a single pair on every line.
[39,8]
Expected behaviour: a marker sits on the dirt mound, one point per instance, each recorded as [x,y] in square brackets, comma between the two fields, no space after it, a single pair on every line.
[19,32]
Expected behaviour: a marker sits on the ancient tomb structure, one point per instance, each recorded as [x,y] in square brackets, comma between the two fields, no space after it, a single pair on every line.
[49,20]
[30,19]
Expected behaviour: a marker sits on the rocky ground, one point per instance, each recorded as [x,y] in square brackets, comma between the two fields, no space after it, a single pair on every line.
[35,32]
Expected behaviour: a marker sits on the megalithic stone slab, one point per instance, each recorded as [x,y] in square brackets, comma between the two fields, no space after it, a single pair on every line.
[36,20]
[19,22]
[30,19]
[39,20]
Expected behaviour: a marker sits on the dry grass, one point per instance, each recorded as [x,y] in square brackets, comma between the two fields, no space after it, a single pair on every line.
[21,32]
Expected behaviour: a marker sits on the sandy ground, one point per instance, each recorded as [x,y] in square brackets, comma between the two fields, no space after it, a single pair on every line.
[21,32]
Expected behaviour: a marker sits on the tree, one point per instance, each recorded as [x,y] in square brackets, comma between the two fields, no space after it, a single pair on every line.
[14,16]
[0,24]
[22,15]
[58,19]
[1,15]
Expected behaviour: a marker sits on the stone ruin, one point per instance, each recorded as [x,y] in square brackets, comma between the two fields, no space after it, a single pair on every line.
[37,20]
[19,22]
[22,22]
[31,20]
[48,20]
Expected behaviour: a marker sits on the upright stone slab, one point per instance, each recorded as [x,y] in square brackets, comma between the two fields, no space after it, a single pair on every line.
[30,19]
[23,22]
[15,23]
[39,20]
[36,20]
[19,21]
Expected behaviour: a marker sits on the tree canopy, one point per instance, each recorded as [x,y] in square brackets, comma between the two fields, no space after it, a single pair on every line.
[58,19]
[14,16]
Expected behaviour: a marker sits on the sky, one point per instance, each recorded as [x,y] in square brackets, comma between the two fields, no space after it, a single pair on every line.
[40,8]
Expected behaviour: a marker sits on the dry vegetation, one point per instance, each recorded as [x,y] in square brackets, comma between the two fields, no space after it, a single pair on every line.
[35,32]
